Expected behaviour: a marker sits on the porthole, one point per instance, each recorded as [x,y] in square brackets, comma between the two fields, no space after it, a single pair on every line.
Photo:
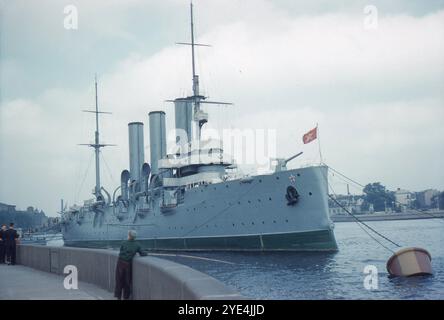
[310,193]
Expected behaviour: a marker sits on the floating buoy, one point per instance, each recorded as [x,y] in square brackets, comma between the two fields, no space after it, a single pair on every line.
[410,262]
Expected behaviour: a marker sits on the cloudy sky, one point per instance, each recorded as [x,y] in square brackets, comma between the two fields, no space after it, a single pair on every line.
[377,94]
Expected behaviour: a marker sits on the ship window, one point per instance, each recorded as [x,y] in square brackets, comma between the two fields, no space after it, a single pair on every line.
[310,193]
[298,174]
[263,222]
[277,178]
[260,180]
[274,221]
[269,198]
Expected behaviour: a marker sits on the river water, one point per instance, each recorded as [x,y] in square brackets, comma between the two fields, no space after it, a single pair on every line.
[332,275]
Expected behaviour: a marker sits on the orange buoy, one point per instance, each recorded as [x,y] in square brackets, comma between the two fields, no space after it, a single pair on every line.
[410,262]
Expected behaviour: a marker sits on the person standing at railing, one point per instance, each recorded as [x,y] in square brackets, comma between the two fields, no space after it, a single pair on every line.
[2,244]
[128,250]
[11,236]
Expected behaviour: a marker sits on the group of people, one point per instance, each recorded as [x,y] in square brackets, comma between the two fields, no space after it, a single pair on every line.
[8,240]
[128,249]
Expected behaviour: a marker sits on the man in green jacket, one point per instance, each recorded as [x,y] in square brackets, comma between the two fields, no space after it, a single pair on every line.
[128,250]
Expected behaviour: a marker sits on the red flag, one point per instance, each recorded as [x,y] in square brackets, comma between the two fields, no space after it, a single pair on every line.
[310,135]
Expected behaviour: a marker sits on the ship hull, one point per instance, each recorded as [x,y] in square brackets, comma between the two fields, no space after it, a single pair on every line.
[319,240]
[238,215]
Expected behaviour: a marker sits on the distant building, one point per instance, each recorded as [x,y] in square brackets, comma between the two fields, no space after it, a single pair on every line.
[351,203]
[424,198]
[6,207]
[31,218]
[404,199]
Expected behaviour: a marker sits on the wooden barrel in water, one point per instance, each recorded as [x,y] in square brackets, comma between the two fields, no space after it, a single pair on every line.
[410,262]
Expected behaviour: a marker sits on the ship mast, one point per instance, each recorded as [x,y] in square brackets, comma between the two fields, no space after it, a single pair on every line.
[196,95]
[200,118]
[195,77]
[97,145]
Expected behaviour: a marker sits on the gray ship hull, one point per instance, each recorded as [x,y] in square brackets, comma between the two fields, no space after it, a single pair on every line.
[248,214]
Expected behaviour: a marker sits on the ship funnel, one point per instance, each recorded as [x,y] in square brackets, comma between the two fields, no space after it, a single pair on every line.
[183,110]
[136,153]
[157,139]
[124,177]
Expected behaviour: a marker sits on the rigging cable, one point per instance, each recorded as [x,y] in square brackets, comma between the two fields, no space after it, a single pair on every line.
[84,178]
[108,169]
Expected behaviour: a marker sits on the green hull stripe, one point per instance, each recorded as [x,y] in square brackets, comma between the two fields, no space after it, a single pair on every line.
[323,240]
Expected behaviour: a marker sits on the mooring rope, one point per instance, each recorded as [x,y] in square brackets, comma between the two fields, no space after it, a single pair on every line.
[362,186]
[359,222]
[366,225]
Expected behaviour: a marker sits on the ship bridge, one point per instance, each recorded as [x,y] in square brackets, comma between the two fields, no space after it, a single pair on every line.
[196,167]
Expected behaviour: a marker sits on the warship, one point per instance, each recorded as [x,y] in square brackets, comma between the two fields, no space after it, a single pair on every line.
[195,199]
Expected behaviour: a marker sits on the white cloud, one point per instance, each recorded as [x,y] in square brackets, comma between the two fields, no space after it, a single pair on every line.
[377,96]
